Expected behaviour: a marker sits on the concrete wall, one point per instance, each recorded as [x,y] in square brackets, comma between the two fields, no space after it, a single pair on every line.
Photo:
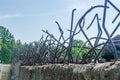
[105,71]
[5,71]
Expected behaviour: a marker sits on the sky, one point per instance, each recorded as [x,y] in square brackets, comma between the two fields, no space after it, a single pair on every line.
[26,18]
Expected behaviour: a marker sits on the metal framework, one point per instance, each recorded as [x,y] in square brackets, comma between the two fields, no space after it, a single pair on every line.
[44,48]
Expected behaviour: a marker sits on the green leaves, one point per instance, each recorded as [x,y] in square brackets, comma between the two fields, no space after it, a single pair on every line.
[76,46]
[7,45]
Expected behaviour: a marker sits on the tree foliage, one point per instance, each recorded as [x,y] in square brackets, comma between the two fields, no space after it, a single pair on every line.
[7,45]
[76,47]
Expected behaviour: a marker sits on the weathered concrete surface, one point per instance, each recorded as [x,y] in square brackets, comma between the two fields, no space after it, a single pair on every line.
[5,71]
[104,71]
[15,70]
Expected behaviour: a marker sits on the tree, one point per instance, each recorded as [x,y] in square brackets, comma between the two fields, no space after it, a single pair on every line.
[19,47]
[76,46]
[108,52]
[7,43]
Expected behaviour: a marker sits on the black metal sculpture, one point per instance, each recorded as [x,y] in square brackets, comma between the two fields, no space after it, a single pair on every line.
[43,53]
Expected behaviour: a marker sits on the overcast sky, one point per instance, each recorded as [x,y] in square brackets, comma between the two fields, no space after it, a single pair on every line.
[26,18]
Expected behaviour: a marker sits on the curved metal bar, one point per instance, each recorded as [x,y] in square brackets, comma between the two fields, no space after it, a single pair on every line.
[54,38]
[91,50]
[99,28]
[96,16]
[107,41]
[69,49]
[61,31]
[81,27]
[104,27]
[99,32]
[85,44]
[83,18]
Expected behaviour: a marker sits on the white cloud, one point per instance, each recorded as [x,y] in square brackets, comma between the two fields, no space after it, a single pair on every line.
[8,16]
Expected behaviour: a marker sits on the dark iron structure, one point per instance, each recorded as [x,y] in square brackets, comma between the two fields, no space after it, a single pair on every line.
[44,52]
